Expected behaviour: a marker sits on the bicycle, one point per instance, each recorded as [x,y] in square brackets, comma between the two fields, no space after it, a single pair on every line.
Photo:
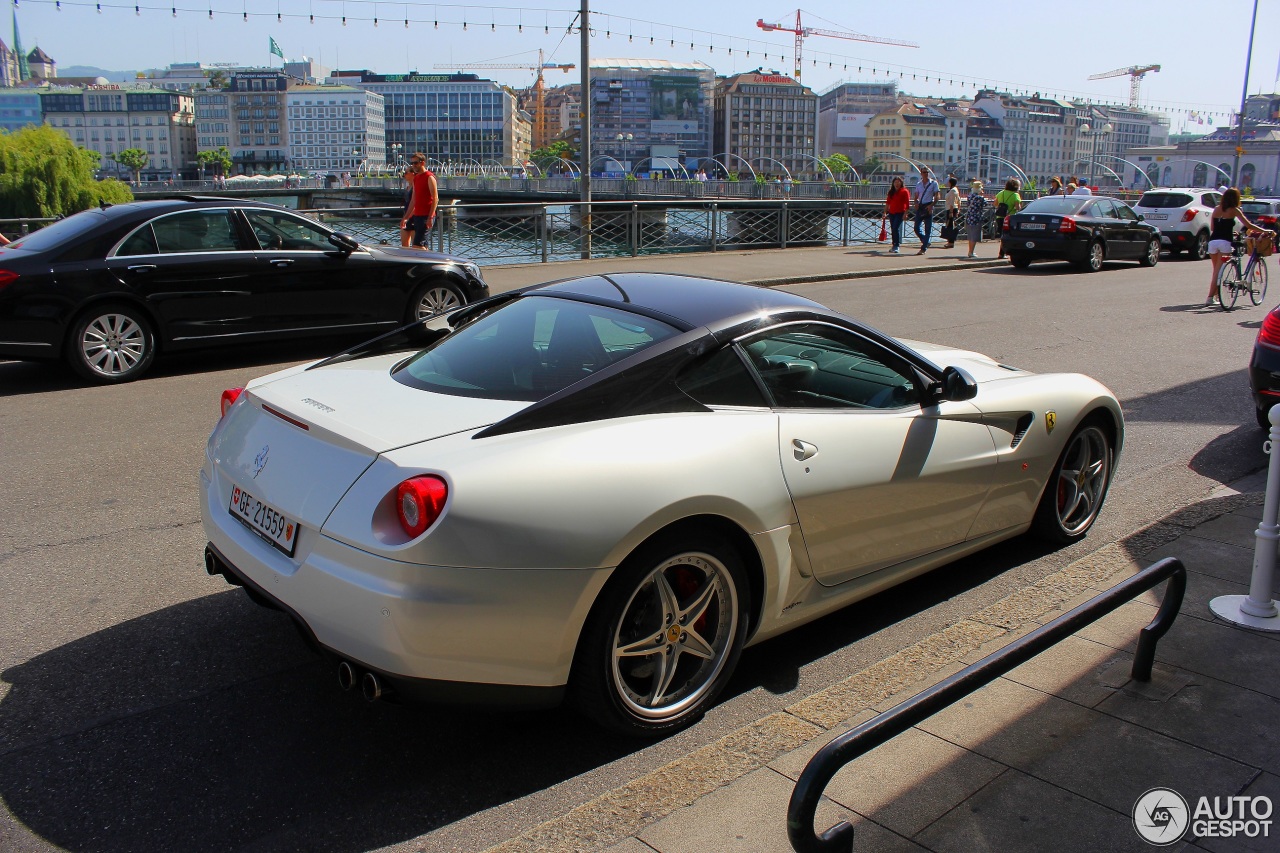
[1233,280]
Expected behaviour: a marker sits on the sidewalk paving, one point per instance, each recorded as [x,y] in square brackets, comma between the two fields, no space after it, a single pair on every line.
[765,267]
[1053,755]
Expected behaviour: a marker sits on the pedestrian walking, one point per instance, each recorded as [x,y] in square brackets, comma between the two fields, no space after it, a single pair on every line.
[1008,202]
[423,201]
[1082,189]
[925,193]
[976,212]
[1055,186]
[952,213]
[1222,230]
[895,207]
[786,187]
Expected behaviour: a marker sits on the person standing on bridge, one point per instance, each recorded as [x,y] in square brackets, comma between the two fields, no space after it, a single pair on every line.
[925,193]
[406,236]
[895,208]
[423,201]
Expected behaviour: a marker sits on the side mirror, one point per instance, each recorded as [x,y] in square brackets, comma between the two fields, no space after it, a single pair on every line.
[343,242]
[956,385]
[1141,218]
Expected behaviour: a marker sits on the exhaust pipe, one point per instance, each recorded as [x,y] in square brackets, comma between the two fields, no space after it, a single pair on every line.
[371,687]
[346,676]
[211,564]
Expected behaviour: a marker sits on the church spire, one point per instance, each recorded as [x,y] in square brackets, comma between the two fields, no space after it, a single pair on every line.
[24,70]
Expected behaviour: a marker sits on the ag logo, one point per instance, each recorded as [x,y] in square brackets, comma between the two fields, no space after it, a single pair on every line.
[1160,816]
[1050,420]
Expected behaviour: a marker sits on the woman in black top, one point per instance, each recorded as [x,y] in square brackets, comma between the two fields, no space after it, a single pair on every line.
[1223,222]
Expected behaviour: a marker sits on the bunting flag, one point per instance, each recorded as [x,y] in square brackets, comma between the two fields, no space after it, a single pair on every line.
[275,48]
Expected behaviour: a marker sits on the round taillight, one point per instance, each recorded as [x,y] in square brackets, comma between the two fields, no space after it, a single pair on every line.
[419,501]
[229,397]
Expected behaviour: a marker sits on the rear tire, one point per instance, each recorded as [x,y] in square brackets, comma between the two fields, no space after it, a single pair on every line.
[1093,262]
[1077,487]
[1020,261]
[1228,286]
[1200,249]
[1152,256]
[1263,419]
[664,636]
[110,344]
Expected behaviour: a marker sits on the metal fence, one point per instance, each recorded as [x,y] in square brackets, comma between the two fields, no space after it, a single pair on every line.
[523,233]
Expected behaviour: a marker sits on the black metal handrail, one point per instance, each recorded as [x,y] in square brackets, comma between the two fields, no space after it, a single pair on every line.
[852,744]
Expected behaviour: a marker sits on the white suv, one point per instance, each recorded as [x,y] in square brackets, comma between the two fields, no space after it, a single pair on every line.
[1182,215]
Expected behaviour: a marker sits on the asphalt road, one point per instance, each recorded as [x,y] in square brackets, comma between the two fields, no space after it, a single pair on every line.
[147,706]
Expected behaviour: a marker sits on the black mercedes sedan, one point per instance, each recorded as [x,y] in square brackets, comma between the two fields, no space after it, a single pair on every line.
[1085,230]
[107,289]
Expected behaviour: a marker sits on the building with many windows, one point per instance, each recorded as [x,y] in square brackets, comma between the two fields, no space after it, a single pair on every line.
[257,107]
[334,129]
[767,119]
[452,118]
[843,113]
[213,119]
[650,109]
[905,137]
[19,108]
[110,119]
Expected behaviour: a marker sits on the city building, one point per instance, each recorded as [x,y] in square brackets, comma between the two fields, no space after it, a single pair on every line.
[335,129]
[650,110]
[19,108]
[9,73]
[1206,161]
[904,137]
[452,118]
[213,119]
[42,67]
[768,120]
[110,119]
[843,113]
[257,107]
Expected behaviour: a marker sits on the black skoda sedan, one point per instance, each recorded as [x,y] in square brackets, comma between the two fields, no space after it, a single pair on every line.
[1085,230]
[108,288]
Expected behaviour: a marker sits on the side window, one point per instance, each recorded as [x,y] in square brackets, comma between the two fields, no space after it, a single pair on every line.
[195,231]
[1124,212]
[814,366]
[1210,199]
[140,242]
[721,380]
[286,232]
[1103,209]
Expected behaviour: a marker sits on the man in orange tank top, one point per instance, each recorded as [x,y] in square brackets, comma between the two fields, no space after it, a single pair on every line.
[421,212]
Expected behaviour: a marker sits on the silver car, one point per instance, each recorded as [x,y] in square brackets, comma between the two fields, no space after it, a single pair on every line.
[605,488]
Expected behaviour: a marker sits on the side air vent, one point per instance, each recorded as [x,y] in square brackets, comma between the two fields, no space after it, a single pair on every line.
[1024,424]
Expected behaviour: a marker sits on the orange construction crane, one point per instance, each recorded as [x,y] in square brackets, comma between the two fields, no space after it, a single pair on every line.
[1136,73]
[541,134]
[802,32]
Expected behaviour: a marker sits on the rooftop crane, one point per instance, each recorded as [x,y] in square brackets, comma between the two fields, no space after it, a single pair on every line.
[540,131]
[802,32]
[1136,73]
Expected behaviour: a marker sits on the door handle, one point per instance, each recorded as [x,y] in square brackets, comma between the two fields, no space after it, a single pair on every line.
[281,262]
[803,449]
[142,268]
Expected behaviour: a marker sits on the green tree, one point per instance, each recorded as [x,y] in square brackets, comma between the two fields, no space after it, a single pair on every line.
[219,159]
[838,164]
[133,159]
[42,173]
[553,151]
[218,80]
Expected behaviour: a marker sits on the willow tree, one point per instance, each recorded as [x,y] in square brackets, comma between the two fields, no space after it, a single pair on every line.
[42,173]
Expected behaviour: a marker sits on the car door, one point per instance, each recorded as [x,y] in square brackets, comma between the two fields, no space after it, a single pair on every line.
[310,284]
[876,478]
[1103,212]
[195,271]
[1136,235]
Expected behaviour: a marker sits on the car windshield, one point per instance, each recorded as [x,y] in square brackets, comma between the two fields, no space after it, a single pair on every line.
[1164,200]
[1255,207]
[57,233]
[530,349]
[1057,204]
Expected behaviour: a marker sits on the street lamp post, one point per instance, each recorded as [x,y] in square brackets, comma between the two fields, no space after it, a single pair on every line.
[625,139]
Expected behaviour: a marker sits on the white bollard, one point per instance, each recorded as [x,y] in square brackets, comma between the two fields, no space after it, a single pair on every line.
[1257,610]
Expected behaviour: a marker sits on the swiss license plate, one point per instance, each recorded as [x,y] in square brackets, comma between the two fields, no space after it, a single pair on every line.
[1033,226]
[265,520]
[1158,216]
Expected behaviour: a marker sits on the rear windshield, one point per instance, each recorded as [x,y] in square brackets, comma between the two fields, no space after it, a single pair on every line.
[1164,200]
[1255,207]
[529,349]
[64,230]
[1057,204]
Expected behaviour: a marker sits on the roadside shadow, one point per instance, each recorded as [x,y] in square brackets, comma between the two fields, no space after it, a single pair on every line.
[1191,306]
[180,730]
[1233,455]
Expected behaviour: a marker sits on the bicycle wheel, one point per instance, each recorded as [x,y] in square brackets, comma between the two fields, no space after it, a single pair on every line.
[1228,285]
[1258,281]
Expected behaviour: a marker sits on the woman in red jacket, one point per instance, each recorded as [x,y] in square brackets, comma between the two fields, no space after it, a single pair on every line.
[895,207]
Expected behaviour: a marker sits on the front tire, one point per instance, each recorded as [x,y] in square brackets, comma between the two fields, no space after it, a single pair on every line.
[434,298]
[1077,487]
[664,636]
[111,344]
[1258,282]
[1152,255]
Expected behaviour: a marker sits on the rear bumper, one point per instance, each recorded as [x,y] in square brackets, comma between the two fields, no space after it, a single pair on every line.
[1043,250]
[440,633]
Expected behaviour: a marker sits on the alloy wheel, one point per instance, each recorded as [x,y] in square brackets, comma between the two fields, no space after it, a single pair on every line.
[113,345]
[436,300]
[1082,480]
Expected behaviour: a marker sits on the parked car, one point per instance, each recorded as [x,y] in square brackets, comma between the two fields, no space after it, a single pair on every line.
[1182,215]
[1264,367]
[1263,211]
[606,487]
[108,288]
[1085,230]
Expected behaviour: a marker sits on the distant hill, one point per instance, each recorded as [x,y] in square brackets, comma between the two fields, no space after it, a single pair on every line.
[91,71]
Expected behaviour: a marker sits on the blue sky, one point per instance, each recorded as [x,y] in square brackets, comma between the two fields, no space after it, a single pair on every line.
[1032,46]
